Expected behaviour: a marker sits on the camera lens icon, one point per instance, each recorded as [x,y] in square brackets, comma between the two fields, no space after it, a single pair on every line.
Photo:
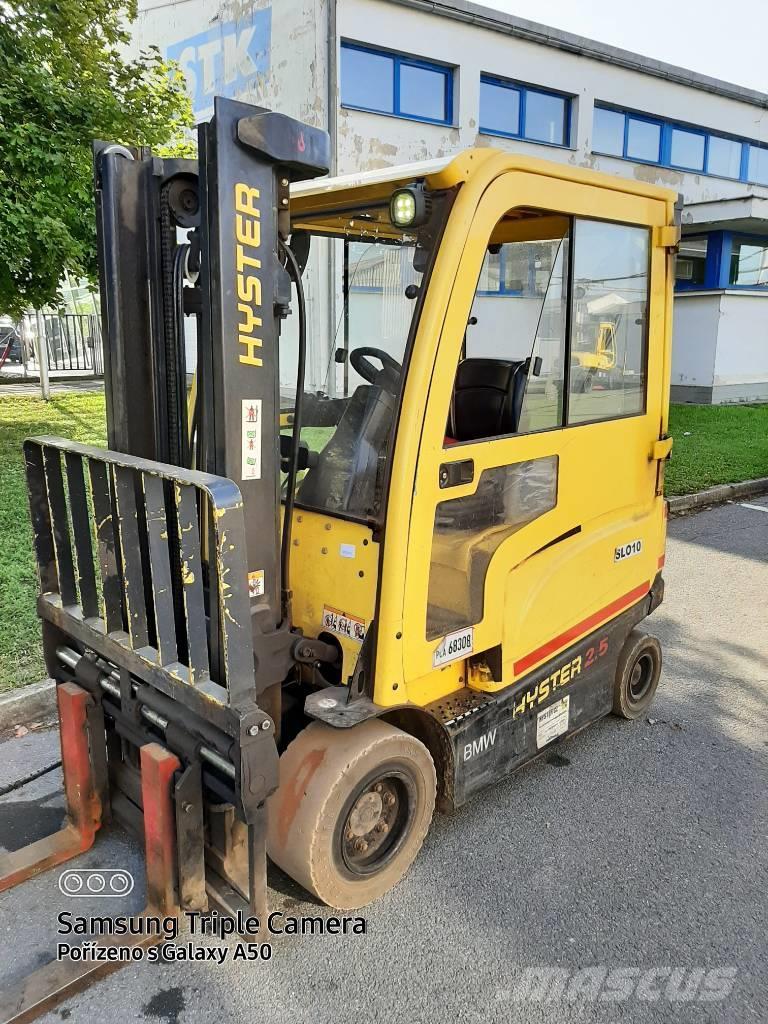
[85,882]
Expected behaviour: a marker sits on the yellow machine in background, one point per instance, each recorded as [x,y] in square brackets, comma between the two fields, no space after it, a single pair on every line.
[604,355]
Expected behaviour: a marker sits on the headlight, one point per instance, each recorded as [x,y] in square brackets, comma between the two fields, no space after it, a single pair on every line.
[409,207]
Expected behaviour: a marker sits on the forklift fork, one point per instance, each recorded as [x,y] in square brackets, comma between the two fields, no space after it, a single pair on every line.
[47,986]
[169,830]
[152,649]
[84,806]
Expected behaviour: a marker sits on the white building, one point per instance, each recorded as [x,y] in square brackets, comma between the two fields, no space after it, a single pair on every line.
[402,80]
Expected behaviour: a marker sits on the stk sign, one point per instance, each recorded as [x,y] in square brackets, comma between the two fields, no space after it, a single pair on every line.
[224,60]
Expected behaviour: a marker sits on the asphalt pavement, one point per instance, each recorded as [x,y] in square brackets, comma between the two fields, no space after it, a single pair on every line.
[621,878]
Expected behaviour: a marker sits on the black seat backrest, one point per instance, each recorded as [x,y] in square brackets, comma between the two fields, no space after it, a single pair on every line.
[345,476]
[488,396]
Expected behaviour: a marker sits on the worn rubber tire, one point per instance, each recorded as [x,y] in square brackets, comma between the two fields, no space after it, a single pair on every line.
[643,650]
[320,772]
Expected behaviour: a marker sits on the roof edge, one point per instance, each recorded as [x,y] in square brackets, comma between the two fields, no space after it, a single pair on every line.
[448,171]
[544,35]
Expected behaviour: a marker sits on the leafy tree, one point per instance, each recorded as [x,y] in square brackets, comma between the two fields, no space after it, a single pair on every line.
[65,80]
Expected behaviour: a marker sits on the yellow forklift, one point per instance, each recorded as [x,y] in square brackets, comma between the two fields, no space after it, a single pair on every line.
[297,632]
[598,359]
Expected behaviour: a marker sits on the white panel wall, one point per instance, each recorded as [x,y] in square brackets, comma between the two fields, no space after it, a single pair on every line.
[271,52]
[721,342]
[505,328]
[742,343]
[695,333]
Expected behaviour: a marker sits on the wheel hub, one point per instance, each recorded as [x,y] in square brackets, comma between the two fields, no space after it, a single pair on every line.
[365,814]
[641,676]
[374,824]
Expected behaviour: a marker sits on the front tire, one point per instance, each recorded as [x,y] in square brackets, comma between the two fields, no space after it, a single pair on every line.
[351,811]
[637,675]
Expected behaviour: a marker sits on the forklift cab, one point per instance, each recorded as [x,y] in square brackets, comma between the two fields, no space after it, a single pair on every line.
[512,489]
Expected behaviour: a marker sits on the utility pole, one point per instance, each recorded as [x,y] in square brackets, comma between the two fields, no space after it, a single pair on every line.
[41,354]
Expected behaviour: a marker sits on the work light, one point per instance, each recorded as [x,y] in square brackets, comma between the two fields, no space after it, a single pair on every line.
[409,207]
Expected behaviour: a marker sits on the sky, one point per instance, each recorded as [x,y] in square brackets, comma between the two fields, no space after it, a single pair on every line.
[694,34]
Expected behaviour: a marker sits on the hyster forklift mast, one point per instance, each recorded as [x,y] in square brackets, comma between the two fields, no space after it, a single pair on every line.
[165,627]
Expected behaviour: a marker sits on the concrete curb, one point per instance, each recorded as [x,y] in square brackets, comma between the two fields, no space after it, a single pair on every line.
[717,495]
[33,703]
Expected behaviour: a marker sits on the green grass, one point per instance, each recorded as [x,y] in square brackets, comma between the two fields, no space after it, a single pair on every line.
[725,444]
[80,417]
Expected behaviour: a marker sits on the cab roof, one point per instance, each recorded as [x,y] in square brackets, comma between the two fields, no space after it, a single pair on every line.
[363,187]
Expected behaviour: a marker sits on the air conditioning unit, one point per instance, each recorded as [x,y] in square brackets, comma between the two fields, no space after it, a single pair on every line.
[684,269]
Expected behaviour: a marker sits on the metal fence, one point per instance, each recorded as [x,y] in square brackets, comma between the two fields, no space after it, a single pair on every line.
[72,341]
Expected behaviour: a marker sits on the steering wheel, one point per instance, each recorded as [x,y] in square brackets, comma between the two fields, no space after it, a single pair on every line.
[360,358]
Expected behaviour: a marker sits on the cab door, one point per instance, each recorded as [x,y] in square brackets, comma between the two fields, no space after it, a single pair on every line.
[534,514]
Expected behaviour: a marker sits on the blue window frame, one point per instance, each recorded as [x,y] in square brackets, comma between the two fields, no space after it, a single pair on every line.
[496,275]
[721,260]
[748,264]
[642,139]
[687,148]
[608,130]
[724,156]
[757,165]
[653,140]
[391,83]
[519,111]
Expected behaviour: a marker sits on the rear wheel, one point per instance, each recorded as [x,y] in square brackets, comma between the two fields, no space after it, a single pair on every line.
[637,675]
[351,811]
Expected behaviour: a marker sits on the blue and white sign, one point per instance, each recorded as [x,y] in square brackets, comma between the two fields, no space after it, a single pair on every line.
[224,60]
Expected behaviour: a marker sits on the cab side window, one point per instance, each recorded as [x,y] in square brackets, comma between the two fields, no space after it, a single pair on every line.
[510,375]
[536,323]
[609,321]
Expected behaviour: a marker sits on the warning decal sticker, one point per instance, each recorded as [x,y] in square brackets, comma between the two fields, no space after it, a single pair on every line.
[251,439]
[343,624]
[552,722]
[256,583]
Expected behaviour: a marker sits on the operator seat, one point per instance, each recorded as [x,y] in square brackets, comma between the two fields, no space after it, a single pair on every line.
[488,396]
[345,477]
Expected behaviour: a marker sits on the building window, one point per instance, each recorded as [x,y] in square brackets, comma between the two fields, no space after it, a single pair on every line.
[691,263]
[518,111]
[652,140]
[724,158]
[749,263]
[516,268]
[390,83]
[757,165]
[687,149]
[643,140]
[720,260]
[608,131]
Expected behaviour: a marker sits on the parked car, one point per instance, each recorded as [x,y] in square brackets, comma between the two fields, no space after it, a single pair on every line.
[10,334]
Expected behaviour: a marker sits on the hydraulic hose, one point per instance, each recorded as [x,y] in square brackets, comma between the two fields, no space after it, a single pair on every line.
[293,465]
[177,372]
